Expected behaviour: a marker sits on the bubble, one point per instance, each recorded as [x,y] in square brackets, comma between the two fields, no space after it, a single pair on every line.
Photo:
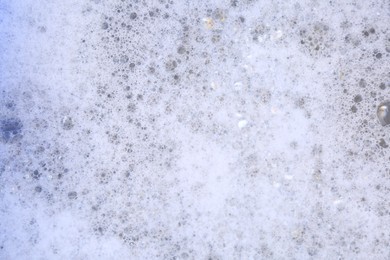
[67,123]
[181,50]
[11,129]
[383,113]
[104,26]
[10,105]
[357,99]
[133,16]
[151,70]
[42,29]
[170,65]
[383,144]
[36,174]
[362,83]
[124,59]
[259,32]
[72,195]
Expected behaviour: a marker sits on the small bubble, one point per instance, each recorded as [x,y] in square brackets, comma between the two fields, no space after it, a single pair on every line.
[42,29]
[383,143]
[36,174]
[105,26]
[181,50]
[171,65]
[133,16]
[362,83]
[124,58]
[67,123]
[151,70]
[294,145]
[357,98]
[72,195]
[10,105]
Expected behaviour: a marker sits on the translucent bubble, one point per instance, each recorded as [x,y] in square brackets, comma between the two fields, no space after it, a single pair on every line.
[383,113]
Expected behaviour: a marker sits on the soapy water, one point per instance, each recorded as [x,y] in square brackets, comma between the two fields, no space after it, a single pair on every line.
[194,130]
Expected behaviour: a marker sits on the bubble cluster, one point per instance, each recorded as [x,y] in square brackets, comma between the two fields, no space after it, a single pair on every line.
[316,39]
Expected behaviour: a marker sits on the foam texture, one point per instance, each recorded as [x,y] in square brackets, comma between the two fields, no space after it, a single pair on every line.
[230,129]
